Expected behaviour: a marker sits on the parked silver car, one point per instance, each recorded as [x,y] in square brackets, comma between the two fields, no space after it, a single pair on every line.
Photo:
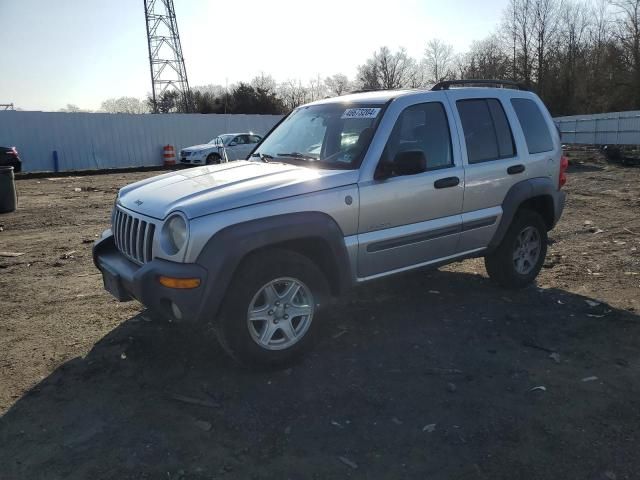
[342,191]
[223,148]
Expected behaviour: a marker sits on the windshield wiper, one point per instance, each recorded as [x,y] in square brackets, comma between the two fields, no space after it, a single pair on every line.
[265,157]
[298,155]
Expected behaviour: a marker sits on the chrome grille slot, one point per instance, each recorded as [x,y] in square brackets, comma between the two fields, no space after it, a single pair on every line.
[133,236]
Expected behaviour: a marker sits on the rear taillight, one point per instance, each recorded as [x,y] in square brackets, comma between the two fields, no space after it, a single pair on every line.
[562,178]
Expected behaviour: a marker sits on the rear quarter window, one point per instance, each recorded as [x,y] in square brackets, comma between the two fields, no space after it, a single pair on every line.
[535,129]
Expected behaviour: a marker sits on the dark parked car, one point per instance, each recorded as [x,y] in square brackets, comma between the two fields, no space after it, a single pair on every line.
[9,157]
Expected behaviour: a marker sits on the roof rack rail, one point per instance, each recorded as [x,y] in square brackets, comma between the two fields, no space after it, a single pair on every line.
[364,90]
[444,85]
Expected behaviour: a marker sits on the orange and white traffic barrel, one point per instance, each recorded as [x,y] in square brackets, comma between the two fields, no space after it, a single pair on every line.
[169,155]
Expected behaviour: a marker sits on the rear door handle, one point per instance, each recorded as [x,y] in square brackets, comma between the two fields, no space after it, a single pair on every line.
[446,182]
[513,169]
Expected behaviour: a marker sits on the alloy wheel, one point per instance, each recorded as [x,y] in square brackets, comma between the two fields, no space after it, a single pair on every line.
[527,250]
[280,313]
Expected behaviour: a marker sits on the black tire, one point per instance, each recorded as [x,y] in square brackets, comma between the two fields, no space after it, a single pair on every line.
[213,159]
[500,264]
[256,271]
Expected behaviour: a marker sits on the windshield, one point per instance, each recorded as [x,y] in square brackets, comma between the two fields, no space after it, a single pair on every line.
[220,139]
[327,136]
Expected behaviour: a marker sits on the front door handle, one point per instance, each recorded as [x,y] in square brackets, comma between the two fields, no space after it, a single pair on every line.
[513,169]
[446,182]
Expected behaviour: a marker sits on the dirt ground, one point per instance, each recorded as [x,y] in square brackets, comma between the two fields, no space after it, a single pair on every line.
[438,375]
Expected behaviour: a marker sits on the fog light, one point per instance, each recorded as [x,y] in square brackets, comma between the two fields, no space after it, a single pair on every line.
[176,311]
[171,282]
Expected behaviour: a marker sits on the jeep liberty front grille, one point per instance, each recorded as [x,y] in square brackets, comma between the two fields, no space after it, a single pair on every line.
[133,236]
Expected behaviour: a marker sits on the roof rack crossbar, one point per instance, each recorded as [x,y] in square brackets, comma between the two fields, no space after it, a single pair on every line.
[446,84]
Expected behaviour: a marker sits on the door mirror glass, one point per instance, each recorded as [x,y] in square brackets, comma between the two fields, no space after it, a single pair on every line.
[410,163]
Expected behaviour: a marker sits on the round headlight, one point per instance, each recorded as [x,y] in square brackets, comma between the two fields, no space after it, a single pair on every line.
[175,234]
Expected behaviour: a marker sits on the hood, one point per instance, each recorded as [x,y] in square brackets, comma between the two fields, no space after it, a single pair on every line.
[215,188]
[197,148]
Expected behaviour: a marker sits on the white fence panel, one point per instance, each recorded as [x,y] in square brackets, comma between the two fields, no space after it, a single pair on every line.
[85,141]
[616,128]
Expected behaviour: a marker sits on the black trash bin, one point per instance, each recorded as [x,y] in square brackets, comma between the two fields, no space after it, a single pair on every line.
[8,197]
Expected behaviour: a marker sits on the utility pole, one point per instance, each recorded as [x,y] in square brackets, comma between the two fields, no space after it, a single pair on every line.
[166,62]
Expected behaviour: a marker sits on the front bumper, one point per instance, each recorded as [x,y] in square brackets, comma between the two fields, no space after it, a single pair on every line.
[126,280]
[192,160]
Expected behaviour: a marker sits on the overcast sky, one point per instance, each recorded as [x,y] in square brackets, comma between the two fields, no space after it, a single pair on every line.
[82,52]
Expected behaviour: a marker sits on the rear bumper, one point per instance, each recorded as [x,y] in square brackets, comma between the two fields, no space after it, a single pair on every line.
[126,280]
[14,162]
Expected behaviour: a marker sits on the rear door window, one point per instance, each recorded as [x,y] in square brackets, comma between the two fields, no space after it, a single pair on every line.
[533,124]
[487,133]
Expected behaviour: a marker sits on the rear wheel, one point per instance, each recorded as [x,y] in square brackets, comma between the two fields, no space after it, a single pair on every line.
[213,159]
[270,313]
[520,256]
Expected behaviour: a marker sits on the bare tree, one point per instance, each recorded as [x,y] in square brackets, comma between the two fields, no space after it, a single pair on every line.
[387,70]
[293,93]
[544,27]
[485,59]
[71,108]
[317,89]
[210,89]
[568,57]
[628,35]
[461,65]
[419,77]
[518,25]
[337,84]
[600,31]
[439,59]
[124,105]
[264,82]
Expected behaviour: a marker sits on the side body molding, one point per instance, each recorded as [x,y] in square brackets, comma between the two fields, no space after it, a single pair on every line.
[519,193]
[225,250]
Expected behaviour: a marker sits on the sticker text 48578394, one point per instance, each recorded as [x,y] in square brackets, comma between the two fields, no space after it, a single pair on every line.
[361,113]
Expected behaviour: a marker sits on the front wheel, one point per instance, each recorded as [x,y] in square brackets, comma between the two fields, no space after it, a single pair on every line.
[270,313]
[520,256]
[213,159]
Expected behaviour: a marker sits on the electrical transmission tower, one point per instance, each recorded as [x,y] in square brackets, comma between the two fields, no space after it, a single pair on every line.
[168,72]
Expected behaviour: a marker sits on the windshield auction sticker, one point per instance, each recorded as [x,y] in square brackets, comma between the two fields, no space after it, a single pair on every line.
[361,113]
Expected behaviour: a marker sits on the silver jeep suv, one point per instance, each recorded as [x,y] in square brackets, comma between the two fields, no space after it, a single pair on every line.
[341,191]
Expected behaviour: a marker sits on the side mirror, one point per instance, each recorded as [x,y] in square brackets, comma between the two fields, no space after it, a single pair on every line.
[410,163]
[383,171]
[233,144]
